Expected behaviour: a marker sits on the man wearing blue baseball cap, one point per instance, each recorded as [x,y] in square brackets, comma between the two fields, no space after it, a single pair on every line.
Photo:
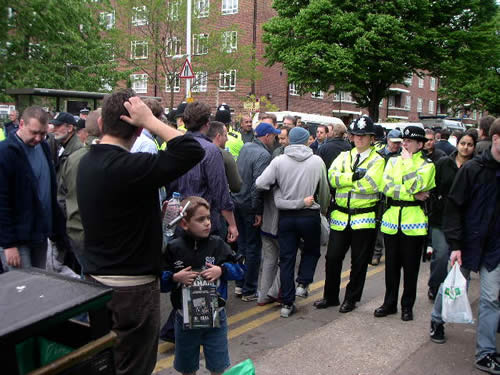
[254,157]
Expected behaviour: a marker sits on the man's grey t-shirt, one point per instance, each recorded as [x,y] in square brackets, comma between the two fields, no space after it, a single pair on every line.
[41,170]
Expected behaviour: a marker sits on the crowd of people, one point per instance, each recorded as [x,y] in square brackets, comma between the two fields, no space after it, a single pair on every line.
[260,196]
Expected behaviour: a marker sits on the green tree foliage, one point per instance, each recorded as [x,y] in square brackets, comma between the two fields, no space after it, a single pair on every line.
[54,44]
[365,46]
[473,78]
[162,27]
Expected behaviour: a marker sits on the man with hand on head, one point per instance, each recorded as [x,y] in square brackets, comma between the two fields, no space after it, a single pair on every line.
[117,195]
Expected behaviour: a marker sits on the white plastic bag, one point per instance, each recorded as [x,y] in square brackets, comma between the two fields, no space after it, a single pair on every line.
[325,230]
[456,306]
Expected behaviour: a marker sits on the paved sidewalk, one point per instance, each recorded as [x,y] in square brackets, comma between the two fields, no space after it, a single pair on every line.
[360,344]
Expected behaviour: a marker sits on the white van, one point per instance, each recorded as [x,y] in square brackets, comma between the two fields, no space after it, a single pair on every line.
[400,125]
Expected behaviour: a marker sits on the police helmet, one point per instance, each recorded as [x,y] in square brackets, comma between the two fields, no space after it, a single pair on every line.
[363,126]
[414,132]
[223,114]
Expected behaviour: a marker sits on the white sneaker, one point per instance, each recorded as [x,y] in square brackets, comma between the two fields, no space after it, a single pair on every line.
[302,291]
[287,310]
[238,291]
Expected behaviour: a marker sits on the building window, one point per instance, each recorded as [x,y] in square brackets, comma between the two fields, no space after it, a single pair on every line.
[200,44]
[317,94]
[229,6]
[138,49]
[107,20]
[431,106]
[202,8]
[173,10]
[408,102]
[200,82]
[172,79]
[420,104]
[229,41]
[139,16]
[409,79]
[227,80]
[420,83]
[433,84]
[105,86]
[343,96]
[174,47]
[292,89]
[139,83]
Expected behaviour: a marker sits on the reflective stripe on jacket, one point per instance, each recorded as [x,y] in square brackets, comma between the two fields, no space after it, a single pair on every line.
[358,194]
[402,179]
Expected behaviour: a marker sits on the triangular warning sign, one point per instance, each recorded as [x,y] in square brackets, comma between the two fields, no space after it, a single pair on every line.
[187,70]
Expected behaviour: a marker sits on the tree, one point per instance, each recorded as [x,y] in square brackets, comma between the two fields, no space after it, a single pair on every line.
[473,78]
[151,38]
[54,46]
[365,46]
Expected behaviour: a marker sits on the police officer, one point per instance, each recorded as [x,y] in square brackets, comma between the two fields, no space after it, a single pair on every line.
[356,175]
[234,141]
[406,182]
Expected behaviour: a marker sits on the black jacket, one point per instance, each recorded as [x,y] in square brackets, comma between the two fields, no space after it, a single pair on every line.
[444,146]
[186,251]
[117,193]
[436,155]
[446,170]
[471,219]
[331,149]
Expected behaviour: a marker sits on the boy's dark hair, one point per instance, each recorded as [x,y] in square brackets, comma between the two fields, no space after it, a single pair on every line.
[214,128]
[155,107]
[196,115]
[495,128]
[37,113]
[285,128]
[193,206]
[112,109]
[445,134]
[485,124]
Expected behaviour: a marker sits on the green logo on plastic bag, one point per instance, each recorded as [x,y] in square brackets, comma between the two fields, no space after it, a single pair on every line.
[453,293]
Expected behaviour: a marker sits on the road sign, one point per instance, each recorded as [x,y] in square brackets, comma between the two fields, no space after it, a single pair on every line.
[187,70]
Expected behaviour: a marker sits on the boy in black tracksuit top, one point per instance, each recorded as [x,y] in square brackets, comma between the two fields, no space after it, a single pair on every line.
[197,253]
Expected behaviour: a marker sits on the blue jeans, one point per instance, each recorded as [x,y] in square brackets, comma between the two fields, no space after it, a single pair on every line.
[32,255]
[489,310]
[439,261]
[250,246]
[188,343]
[291,229]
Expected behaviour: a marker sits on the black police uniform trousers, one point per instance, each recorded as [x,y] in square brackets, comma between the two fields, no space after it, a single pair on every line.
[361,242]
[402,251]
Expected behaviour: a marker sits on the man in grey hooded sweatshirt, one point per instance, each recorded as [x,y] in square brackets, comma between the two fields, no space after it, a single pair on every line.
[303,193]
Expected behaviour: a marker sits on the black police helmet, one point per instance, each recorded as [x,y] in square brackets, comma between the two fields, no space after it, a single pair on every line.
[223,114]
[363,126]
[414,132]
[180,109]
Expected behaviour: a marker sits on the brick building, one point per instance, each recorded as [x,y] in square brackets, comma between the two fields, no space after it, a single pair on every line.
[407,102]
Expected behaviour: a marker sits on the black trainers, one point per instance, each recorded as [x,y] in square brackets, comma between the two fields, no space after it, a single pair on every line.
[437,333]
[489,364]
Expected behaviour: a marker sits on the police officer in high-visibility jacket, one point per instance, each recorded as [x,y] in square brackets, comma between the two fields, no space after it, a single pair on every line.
[406,182]
[234,141]
[356,175]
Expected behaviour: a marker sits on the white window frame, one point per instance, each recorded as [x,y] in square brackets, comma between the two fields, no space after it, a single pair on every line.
[433,84]
[229,7]
[431,106]
[202,8]
[107,19]
[200,82]
[139,83]
[392,101]
[200,44]
[133,49]
[317,94]
[173,10]
[420,82]
[173,47]
[229,41]
[177,83]
[227,80]
[408,102]
[292,89]
[420,105]
[409,80]
[343,96]
[139,17]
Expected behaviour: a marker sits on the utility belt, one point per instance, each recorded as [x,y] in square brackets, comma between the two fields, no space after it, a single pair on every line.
[355,211]
[397,203]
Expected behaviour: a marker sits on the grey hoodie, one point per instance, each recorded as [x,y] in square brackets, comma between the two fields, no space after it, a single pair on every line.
[299,174]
